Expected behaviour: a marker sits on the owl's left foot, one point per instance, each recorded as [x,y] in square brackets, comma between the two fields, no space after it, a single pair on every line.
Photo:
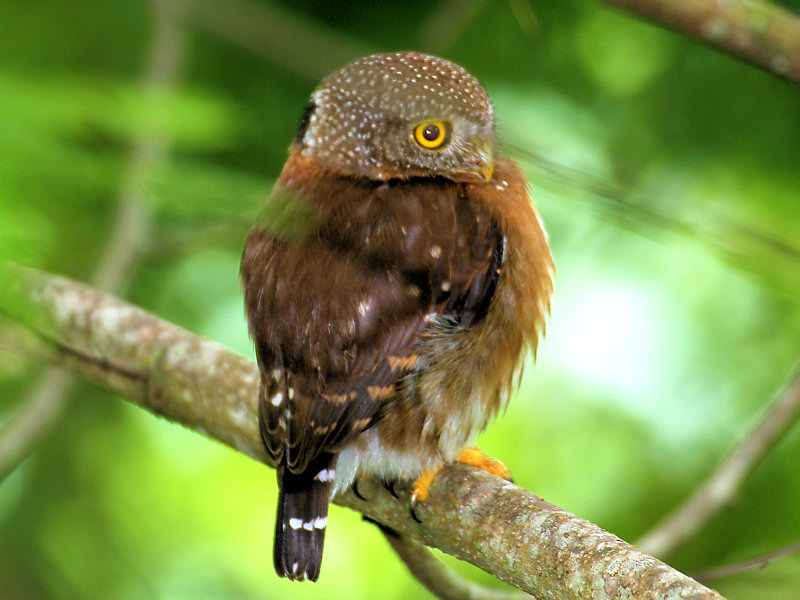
[355,490]
[389,486]
[469,456]
[474,457]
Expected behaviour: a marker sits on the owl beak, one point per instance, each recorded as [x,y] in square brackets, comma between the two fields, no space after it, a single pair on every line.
[485,161]
[486,170]
[479,163]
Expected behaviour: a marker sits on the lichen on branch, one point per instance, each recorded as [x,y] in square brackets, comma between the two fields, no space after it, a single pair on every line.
[495,525]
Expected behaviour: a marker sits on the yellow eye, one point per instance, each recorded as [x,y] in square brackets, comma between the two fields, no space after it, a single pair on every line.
[431,134]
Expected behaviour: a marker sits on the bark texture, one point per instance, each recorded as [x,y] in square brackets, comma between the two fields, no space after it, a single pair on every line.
[491,523]
[759,32]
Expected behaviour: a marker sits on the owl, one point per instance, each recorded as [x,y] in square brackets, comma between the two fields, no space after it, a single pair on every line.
[394,282]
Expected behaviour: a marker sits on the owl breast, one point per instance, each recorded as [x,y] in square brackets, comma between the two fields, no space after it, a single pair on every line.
[465,359]
[457,387]
[401,321]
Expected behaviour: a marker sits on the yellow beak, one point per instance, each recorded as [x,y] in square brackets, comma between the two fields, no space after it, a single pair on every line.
[486,168]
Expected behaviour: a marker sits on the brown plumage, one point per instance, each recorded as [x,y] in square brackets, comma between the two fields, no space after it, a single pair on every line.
[393,284]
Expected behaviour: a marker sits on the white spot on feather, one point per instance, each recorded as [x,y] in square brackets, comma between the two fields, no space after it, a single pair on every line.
[363,307]
[325,475]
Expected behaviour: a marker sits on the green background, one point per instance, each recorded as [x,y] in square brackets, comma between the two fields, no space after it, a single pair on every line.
[667,174]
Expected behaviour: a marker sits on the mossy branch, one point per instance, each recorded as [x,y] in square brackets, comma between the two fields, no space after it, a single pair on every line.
[491,523]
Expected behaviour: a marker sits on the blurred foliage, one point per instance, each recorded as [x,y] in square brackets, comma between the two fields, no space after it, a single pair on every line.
[668,176]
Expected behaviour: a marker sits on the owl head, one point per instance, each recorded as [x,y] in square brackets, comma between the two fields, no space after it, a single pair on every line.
[400,115]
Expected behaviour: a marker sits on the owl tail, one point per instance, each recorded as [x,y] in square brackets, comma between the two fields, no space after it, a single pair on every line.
[302,517]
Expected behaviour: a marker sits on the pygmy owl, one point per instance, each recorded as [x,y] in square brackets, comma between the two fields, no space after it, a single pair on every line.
[394,282]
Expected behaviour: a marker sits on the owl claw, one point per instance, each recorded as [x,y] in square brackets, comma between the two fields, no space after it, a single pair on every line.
[389,485]
[356,492]
[412,509]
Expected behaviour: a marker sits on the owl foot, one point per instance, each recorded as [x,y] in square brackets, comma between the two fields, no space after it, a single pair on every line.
[389,485]
[469,456]
[474,457]
[419,492]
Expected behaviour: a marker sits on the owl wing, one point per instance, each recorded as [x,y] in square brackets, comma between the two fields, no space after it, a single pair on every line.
[337,316]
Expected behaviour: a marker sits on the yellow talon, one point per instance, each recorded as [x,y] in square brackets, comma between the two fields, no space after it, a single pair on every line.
[468,456]
[475,458]
[419,493]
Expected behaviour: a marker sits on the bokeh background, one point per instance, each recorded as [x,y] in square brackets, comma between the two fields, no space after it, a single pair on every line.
[668,176]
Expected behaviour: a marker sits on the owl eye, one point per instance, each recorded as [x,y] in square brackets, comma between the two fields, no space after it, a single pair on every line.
[432,134]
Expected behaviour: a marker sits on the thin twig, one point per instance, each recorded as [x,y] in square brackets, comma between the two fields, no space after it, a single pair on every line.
[722,487]
[282,36]
[746,565]
[445,23]
[746,246]
[46,403]
[759,32]
[35,418]
[525,16]
[495,525]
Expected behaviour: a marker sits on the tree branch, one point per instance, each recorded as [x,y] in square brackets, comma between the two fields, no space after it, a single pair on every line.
[759,32]
[489,522]
[722,487]
[42,409]
[441,581]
